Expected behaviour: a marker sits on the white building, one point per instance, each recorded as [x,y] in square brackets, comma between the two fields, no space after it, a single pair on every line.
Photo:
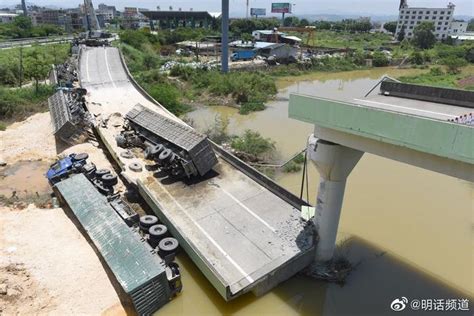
[409,18]
[7,17]
[458,27]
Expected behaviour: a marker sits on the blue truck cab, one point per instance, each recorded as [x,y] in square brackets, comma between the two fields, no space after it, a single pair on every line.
[62,168]
[243,55]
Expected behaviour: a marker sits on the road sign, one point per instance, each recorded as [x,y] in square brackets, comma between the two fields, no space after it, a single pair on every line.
[281,7]
[258,11]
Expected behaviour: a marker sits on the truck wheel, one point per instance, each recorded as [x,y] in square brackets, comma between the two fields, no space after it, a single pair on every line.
[147,221]
[109,179]
[165,154]
[81,156]
[101,172]
[77,167]
[121,141]
[158,232]
[168,246]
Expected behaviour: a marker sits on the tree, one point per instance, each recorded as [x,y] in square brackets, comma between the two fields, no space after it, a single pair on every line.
[23,22]
[391,26]
[423,36]
[401,34]
[303,23]
[36,66]
[291,21]
[454,63]
[470,25]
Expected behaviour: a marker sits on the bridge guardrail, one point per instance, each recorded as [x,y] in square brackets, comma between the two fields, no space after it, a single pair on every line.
[251,172]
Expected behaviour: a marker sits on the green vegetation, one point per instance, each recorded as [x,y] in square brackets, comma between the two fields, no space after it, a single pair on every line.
[423,36]
[22,27]
[292,166]
[218,131]
[249,90]
[17,104]
[295,164]
[146,53]
[440,78]
[36,62]
[390,26]
[470,26]
[345,39]
[252,143]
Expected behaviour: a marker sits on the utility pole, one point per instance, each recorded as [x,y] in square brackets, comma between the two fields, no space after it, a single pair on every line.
[21,65]
[225,37]
[247,10]
[23,7]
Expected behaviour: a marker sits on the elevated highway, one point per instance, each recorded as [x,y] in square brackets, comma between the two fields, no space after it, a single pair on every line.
[243,231]
[407,123]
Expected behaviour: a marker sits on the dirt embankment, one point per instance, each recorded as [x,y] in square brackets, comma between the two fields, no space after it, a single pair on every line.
[46,265]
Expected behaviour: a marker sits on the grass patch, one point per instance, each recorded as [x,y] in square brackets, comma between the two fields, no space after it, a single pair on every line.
[326,38]
[17,104]
[438,77]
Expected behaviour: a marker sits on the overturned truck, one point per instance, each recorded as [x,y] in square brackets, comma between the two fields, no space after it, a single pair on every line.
[172,145]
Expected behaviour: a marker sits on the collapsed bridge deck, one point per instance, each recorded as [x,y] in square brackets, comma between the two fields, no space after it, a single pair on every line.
[241,235]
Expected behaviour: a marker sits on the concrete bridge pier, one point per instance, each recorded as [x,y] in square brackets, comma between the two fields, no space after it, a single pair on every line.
[334,163]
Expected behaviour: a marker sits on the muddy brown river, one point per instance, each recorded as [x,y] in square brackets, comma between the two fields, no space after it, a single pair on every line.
[408,231]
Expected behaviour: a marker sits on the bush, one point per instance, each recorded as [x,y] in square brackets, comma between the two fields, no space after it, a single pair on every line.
[292,166]
[417,58]
[218,131]
[379,59]
[168,96]
[253,143]
[19,103]
[249,89]
[454,63]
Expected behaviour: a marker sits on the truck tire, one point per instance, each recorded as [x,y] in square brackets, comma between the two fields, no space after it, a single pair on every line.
[121,141]
[81,156]
[147,221]
[158,232]
[168,246]
[165,154]
[109,179]
[77,167]
[101,172]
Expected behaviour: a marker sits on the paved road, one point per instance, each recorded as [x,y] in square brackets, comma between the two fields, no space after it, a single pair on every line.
[413,107]
[31,41]
[234,227]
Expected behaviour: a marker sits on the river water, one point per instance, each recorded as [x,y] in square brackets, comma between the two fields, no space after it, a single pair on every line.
[409,231]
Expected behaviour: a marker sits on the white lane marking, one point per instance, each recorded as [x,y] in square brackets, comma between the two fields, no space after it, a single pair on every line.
[108,69]
[248,210]
[225,254]
[87,66]
[407,108]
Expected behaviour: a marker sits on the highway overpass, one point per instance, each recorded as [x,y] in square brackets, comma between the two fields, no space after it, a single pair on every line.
[407,123]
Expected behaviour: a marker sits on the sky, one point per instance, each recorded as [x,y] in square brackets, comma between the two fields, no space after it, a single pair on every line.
[237,7]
